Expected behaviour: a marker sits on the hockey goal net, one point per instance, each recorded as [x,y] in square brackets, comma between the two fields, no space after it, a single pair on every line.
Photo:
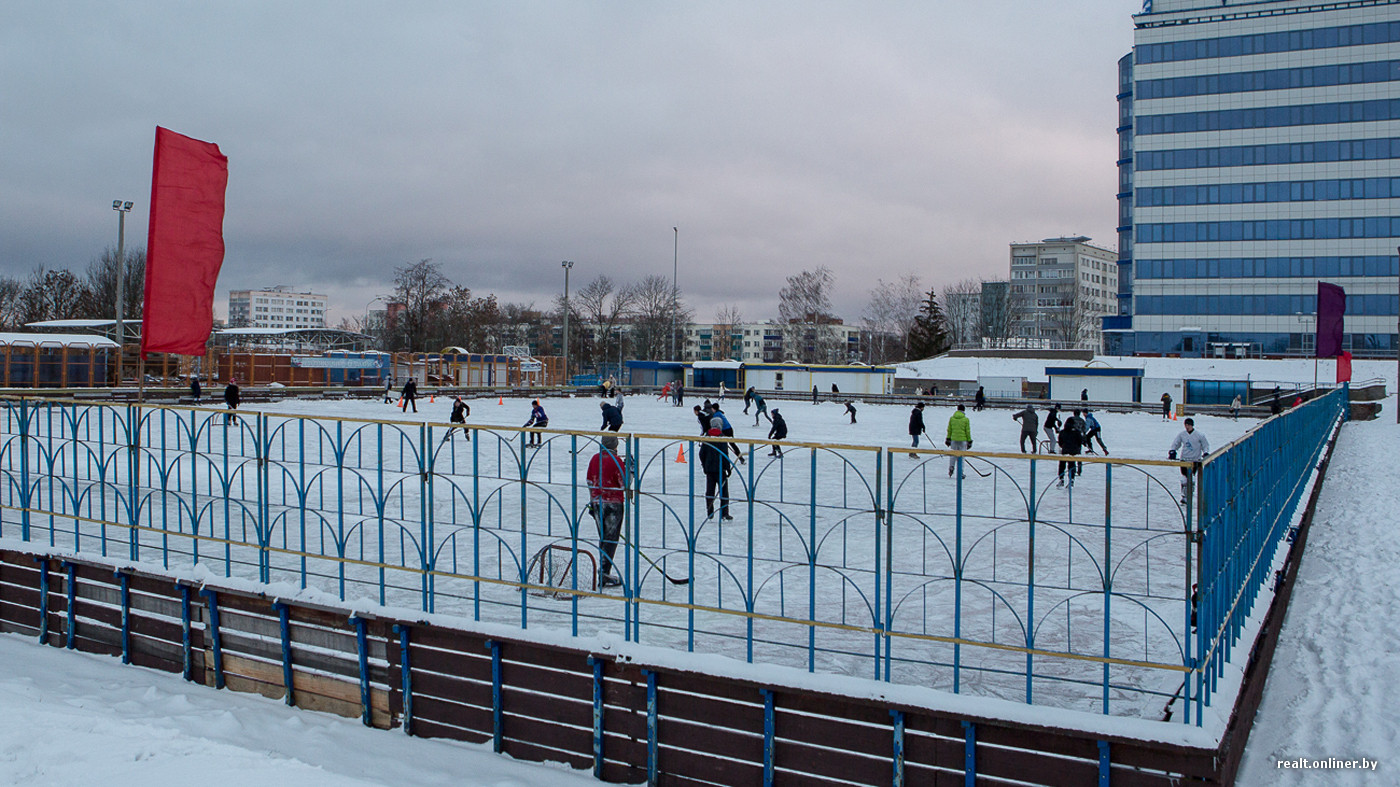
[552,570]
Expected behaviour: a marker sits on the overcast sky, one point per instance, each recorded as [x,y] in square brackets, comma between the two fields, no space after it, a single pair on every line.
[875,138]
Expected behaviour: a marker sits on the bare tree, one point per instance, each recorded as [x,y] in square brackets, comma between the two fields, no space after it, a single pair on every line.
[657,311]
[962,309]
[101,286]
[53,295]
[889,316]
[1073,321]
[726,343]
[419,289]
[1002,307]
[804,306]
[10,291]
[604,306]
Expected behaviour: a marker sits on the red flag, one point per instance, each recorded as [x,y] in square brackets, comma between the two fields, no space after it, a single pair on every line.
[185,244]
[1344,367]
[1331,308]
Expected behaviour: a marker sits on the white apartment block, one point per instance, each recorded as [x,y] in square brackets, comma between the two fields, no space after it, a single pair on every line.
[276,308]
[757,342]
[1061,289]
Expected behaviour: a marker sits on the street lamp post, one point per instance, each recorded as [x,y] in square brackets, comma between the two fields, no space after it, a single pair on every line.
[675,265]
[122,208]
[567,265]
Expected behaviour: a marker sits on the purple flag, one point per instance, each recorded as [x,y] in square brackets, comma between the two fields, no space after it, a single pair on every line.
[1331,306]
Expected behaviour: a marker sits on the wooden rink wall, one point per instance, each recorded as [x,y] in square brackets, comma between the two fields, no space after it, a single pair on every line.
[626,722]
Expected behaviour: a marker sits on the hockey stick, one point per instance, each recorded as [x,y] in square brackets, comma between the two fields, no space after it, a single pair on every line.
[654,564]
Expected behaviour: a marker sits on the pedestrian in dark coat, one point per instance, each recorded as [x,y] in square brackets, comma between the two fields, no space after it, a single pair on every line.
[851,410]
[410,395]
[1084,395]
[777,432]
[1071,439]
[680,393]
[607,474]
[1166,405]
[762,408]
[979,402]
[538,419]
[194,387]
[460,411]
[814,394]
[1030,427]
[916,424]
[703,416]
[748,399]
[612,417]
[231,398]
[726,429]
[1052,425]
[714,460]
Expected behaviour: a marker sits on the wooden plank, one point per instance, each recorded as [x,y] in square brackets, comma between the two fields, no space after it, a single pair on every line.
[625,723]
[447,639]
[156,662]
[313,636]
[23,596]
[544,733]
[156,606]
[624,773]
[89,644]
[915,773]
[1028,765]
[21,616]
[12,627]
[96,591]
[552,656]
[461,665]
[833,763]
[172,651]
[1131,777]
[518,702]
[1187,761]
[833,732]
[718,741]
[932,750]
[233,621]
[832,705]
[572,685]
[453,714]
[532,751]
[448,687]
[233,643]
[157,628]
[710,710]
[707,768]
[1081,746]
[427,728]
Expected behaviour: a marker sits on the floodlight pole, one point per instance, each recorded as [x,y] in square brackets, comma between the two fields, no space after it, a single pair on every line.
[122,208]
[567,265]
[675,266]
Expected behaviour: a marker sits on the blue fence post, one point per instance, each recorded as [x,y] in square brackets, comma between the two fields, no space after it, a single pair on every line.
[72,588]
[284,625]
[215,642]
[969,754]
[186,640]
[405,676]
[362,645]
[124,583]
[768,737]
[597,665]
[898,716]
[653,771]
[1103,763]
[497,712]
[43,598]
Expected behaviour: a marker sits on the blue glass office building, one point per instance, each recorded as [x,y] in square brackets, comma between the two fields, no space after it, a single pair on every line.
[1259,152]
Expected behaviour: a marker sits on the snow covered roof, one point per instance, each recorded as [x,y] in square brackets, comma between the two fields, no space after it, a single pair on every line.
[1290,370]
[716,365]
[74,323]
[56,340]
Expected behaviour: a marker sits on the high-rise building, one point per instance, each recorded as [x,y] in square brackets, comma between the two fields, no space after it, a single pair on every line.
[1061,288]
[276,308]
[1259,153]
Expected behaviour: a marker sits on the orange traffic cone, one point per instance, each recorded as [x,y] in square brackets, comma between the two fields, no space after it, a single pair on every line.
[680,455]
[501,400]
[399,403]
[432,398]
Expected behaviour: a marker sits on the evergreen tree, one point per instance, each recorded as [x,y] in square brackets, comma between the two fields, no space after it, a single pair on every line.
[929,336]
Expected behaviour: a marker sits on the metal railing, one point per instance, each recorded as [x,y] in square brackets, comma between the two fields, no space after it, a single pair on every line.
[972,572]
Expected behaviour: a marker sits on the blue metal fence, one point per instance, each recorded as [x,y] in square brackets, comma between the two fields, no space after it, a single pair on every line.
[974,573]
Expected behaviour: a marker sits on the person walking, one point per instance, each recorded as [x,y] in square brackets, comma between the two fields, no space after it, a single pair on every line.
[722,390]
[1093,431]
[1071,439]
[748,399]
[1030,428]
[410,395]
[1166,405]
[1235,408]
[851,410]
[680,393]
[460,411]
[612,417]
[1052,425]
[777,432]
[1084,395]
[762,409]
[389,389]
[618,401]
[538,420]
[916,426]
[194,387]
[1275,406]
[1189,446]
[835,391]
[979,402]
[606,493]
[959,437]
[814,394]
[714,461]
[231,398]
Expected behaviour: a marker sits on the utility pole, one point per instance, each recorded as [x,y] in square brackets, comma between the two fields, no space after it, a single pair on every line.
[567,265]
[122,208]
[675,293]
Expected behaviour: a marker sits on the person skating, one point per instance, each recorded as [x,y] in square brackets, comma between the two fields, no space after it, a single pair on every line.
[777,432]
[722,390]
[410,395]
[916,425]
[617,402]
[606,473]
[1071,439]
[612,417]
[538,420]
[959,437]
[702,415]
[389,389]
[851,410]
[726,429]
[194,387]
[1084,395]
[1052,426]
[680,393]
[979,402]
[1235,408]
[814,394]
[835,392]
[1030,428]
[714,460]
[460,411]
[762,408]
[1166,405]
[748,399]
[1093,431]
[231,398]
[1189,446]
[665,395]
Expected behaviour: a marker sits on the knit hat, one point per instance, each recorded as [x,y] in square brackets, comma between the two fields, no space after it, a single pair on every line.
[610,442]
[717,423]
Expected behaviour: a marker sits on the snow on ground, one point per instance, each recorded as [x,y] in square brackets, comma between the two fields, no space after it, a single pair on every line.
[1334,688]
[75,718]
